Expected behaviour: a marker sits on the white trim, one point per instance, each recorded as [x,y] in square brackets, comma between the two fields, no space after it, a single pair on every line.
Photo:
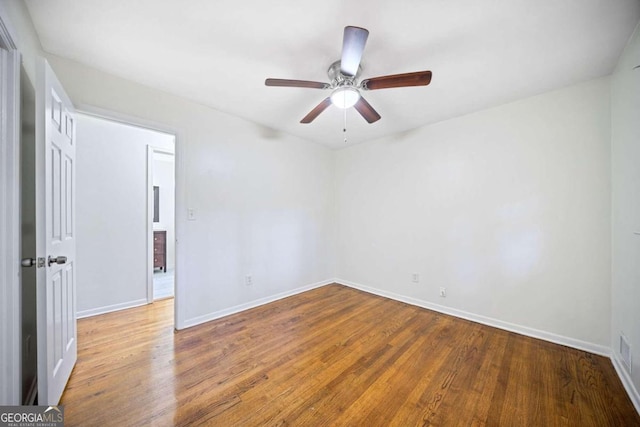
[179,144]
[627,382]
[126,119]
[10,331]
[252,304]
[149,224]
[7,38]
[511,327]
[111,308]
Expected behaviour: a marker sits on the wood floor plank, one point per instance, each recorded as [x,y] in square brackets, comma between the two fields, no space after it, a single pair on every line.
[332,356]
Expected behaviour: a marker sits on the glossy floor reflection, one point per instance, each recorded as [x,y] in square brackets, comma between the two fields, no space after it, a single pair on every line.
[163,284]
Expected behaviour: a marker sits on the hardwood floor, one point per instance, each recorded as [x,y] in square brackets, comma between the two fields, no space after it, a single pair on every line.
[332,356]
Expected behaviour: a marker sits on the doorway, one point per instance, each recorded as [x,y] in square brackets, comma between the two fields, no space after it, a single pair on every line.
[115,218]
[161,163]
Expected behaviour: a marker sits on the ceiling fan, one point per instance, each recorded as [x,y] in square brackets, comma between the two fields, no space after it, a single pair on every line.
[343,75]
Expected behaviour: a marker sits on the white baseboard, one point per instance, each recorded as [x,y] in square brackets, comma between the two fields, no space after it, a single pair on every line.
[252,304]
[627,382]
[522,330]
[111,308]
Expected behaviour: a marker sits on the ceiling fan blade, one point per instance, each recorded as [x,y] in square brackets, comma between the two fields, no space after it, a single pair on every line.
[419,78]
[316,111]
[296,83]
[366,110]
[353,44]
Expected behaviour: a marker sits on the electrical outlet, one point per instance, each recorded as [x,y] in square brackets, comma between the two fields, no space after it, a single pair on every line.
[415,278]
[248,280]
[443,292]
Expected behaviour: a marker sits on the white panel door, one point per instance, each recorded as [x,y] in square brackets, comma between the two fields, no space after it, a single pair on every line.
[55,230]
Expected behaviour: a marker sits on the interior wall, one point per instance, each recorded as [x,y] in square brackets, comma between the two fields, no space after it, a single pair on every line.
[262,201]
[625,124]
[24,35]
[111,206]
[507,208]
[164,178]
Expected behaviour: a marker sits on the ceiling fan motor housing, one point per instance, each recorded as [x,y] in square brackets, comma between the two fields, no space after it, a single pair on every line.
[338,79]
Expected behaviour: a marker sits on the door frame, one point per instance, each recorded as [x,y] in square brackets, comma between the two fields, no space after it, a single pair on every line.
[10,321]
[180,208]
[150,173]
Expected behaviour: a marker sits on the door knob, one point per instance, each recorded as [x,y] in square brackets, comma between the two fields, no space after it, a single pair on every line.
[28,262]
[32,262]
[57,260]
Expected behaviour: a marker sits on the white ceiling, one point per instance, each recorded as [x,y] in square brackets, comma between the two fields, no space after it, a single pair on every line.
[218,53]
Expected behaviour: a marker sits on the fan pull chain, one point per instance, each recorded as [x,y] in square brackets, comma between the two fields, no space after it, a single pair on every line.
[344,129]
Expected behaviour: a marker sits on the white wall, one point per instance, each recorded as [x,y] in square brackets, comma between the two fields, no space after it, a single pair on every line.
[507,208]
[164,178]
[625,124]
[263,200]
[111,206]
[16,16]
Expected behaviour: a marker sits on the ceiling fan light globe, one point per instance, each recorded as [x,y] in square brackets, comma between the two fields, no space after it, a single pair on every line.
[345,97]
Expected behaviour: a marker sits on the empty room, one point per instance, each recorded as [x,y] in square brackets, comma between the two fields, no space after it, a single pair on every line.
[348,214]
